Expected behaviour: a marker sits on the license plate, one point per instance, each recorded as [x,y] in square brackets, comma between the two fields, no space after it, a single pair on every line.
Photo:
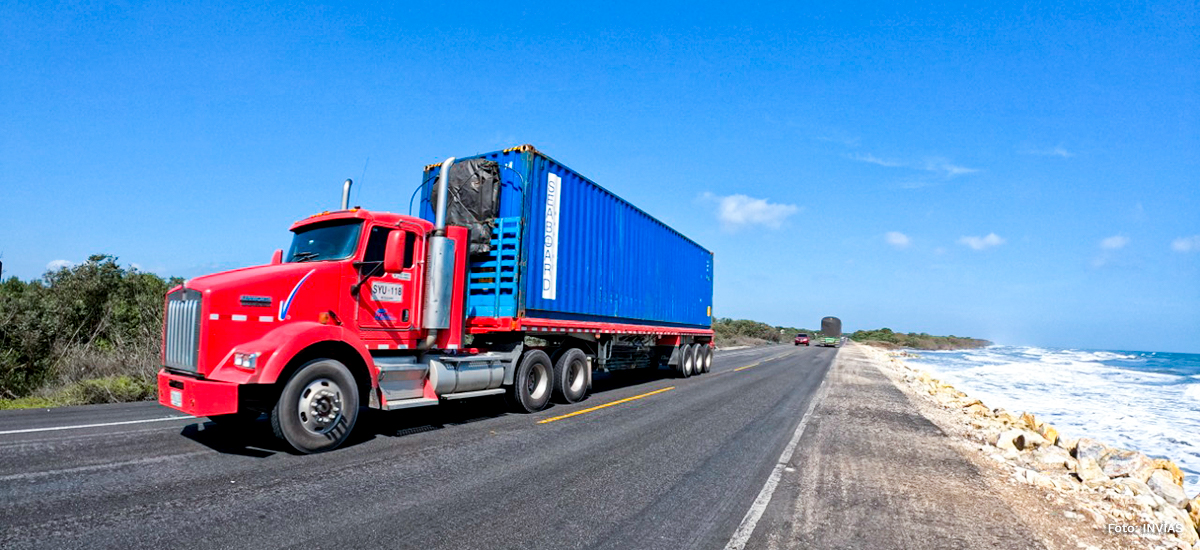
[387,292]
[176,398]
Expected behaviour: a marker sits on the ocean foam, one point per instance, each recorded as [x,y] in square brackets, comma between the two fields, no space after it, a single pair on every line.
[1146,402]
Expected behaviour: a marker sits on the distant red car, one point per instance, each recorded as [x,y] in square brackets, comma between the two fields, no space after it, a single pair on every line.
[801,339]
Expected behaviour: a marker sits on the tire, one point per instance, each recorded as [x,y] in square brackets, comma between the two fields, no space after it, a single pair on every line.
[318,407]
[687,361]
[697,360]
[570,377]
[533,383]
[708,357]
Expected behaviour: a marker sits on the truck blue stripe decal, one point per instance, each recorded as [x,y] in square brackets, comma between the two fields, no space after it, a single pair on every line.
[283,308]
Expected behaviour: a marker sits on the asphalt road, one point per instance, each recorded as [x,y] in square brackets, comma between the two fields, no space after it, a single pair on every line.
[674,469]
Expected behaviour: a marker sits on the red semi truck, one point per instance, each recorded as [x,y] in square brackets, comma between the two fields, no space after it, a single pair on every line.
[390,311]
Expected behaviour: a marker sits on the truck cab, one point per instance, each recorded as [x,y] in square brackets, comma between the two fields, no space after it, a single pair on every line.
[351,283]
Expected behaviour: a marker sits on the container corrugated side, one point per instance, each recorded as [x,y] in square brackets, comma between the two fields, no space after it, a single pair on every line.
[611,262]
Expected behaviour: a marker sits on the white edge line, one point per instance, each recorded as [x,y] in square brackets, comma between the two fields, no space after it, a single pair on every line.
[81,426]
[750,521]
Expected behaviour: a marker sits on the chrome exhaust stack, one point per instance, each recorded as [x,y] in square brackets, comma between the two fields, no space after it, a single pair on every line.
[439,272]
[346,194]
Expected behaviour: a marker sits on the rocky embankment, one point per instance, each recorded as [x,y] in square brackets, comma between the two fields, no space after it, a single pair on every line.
[1135,500]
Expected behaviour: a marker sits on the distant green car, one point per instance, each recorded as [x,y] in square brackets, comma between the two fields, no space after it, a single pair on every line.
[830,341]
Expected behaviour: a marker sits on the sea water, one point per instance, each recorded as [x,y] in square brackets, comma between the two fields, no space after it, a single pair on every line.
[1145,401]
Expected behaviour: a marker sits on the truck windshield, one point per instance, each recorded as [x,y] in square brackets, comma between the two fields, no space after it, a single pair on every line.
[327,241]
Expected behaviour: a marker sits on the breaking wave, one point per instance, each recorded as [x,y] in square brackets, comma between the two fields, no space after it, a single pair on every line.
[1147,401]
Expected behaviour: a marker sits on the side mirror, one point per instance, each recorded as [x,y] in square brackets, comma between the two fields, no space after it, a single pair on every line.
[277,257]
[393,255]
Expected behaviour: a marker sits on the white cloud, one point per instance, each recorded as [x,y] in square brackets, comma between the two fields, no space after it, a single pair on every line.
[1186,244]
[1115,242]
[940,166]
[1056,151]
[897,239]
[736,211]
[872,159]
[58,264]
[945,168]
[980,243]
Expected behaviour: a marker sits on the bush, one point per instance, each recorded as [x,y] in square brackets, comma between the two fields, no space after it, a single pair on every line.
[744,332]
[115,389]
[886,338]
[92,321]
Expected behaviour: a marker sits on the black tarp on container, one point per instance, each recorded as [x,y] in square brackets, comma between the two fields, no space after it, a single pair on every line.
[471,202]
[831,326]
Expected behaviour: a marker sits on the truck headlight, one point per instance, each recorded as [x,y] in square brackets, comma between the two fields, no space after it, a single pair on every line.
[246,361]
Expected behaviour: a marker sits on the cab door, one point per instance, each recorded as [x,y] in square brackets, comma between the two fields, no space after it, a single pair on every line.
[387,301]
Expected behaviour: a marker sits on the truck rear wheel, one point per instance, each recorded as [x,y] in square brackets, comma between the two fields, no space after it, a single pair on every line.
[687,361]
[532,383]
[708,357]
[697,359]
[317,408]
[570,376]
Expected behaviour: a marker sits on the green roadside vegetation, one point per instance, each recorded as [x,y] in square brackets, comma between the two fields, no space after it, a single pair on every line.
[744,332]
[885,338]
[88,333]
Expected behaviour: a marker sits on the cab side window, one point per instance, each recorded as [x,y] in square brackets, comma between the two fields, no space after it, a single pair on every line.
[376,246]
[410,244]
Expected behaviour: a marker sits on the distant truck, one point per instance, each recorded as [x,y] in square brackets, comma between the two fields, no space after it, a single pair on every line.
[831,332]
[519,277]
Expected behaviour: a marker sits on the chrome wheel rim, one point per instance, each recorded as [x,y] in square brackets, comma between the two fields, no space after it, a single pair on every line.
[575,377]
[320,407]
[539,382]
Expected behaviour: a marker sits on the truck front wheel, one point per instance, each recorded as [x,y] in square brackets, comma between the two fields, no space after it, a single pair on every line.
[570,376]
[532,383]
[317,408]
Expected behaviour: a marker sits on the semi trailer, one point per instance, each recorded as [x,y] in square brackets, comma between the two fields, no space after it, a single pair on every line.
[517,277]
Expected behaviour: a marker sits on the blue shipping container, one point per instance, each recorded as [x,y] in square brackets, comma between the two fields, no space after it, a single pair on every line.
[565,248]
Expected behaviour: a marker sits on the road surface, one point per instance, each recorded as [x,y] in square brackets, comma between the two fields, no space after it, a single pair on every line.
[672,463]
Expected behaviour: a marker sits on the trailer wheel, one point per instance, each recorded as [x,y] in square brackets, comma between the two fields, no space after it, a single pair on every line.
[697,359]
[701,358]
[708,357]
[687,361]
[317,408]
[533,383]
[570,376]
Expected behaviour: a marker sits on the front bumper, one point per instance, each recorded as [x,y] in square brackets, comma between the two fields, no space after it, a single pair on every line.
[196,397]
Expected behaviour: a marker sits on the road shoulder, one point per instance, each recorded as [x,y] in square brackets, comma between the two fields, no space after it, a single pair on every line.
[871,471]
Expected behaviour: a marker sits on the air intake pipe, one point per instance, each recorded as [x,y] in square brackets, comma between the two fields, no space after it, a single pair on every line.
[439,265]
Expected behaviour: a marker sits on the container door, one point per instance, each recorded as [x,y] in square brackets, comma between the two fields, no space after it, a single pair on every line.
[387,301]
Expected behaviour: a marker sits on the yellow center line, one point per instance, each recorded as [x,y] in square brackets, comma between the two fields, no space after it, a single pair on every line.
[761,362]
[598,407]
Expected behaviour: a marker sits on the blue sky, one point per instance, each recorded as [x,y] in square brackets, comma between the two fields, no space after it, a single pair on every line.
[1023,173]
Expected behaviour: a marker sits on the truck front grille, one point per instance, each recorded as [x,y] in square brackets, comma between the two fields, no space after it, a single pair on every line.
[183,330]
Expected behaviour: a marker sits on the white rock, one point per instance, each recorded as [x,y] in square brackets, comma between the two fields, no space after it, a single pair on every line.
[1163,484]
[1004,440]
